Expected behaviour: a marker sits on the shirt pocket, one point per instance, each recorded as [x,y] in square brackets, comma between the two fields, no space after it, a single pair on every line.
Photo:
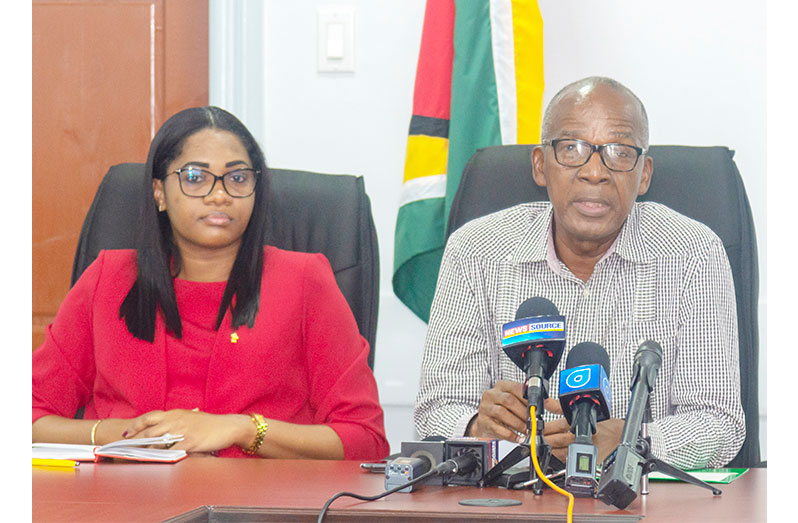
[664,333]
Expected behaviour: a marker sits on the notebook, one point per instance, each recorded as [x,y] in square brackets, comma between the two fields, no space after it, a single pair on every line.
[130,449]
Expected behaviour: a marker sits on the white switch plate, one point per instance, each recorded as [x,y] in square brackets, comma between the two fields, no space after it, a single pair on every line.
[336,33]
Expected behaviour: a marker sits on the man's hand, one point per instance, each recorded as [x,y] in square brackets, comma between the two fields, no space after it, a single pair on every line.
[607,437]
[558,434]
[502,413]
[202,432]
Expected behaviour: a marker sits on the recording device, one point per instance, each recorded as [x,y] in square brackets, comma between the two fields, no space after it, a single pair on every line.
[621,471]
[403,470]
[534,341]
[485,450]
[585,397]
[430,450]
[403,473]
[458,461]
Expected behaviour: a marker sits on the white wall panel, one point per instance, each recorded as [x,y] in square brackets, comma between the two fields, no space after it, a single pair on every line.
[698,66]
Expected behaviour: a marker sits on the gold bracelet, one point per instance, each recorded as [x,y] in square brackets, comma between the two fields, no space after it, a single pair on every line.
[261,426]
[94,431]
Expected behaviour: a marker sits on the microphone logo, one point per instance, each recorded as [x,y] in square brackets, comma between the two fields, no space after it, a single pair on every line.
[578,378]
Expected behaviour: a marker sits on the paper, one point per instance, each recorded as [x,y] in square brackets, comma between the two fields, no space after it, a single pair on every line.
[705,475]
[133,449]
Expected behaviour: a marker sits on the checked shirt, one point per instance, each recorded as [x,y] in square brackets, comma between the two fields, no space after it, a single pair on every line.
[666,278]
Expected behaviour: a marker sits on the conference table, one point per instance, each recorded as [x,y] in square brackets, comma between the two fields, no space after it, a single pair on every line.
[201,489]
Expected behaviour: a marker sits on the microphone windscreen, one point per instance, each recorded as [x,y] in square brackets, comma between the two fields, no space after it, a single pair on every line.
[588,353]
[536,306]
[649,351]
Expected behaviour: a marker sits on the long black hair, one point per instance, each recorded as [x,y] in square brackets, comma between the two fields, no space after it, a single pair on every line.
[157,254]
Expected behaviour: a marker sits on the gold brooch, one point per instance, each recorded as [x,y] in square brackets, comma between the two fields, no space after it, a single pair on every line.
[234,338]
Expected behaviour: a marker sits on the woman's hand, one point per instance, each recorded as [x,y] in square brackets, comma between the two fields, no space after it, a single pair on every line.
[202,432]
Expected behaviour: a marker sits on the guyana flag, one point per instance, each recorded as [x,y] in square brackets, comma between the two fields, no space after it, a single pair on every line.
[479,82]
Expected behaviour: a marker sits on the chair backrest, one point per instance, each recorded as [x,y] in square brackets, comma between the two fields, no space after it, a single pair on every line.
[310,212]
[700,182]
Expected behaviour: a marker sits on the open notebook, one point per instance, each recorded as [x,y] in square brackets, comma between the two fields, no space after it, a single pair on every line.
[132,449]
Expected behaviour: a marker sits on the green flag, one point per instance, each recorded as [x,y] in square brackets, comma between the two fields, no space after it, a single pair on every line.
[479,82]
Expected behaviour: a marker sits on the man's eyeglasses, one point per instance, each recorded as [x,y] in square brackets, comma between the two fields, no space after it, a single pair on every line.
[576,153]
[199,183]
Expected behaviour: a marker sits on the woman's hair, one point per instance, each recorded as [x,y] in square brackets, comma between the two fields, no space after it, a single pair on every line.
[157,254]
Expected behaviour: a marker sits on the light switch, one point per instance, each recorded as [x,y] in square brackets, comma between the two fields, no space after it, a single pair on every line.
[336,34]
[335,41]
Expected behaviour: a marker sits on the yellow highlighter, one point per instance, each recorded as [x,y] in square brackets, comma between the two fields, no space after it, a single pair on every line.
[61,463]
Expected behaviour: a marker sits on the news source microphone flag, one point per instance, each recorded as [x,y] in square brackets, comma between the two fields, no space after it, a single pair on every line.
[479,82]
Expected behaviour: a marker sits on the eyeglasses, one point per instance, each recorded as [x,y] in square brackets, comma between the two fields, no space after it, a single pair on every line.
[199,183]
[576,153]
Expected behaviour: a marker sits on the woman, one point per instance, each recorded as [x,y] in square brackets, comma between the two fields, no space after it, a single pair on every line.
[201,331]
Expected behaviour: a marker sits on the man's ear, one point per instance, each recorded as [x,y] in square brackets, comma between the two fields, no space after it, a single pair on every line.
[537,165]
[645,178]
[157,194]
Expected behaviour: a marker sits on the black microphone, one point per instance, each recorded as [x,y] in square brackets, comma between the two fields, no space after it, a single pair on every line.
[585,398]
[534,342]
[621,471]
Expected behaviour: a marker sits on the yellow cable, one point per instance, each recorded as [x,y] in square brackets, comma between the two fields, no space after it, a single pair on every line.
[547,481]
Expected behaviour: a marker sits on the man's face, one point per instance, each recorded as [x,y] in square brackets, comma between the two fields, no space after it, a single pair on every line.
[592,202]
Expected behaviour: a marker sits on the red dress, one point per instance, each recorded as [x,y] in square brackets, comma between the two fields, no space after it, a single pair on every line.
[303,361]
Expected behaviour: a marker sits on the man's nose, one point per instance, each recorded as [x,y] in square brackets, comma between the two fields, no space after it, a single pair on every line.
[594,171]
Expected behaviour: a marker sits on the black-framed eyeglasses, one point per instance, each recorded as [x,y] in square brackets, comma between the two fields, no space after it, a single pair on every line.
[199,183]
[618,157]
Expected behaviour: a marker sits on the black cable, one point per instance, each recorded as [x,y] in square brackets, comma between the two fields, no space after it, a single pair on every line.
[433,472]
[462,464]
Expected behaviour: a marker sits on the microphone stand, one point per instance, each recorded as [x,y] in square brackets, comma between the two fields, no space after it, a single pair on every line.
[523,451]
[651,464]
[647,418]
[619,490]
[536,389]
[515,456]
[538,361]
[542,451]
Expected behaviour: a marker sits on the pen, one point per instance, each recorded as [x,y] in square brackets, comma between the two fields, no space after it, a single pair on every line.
[62,463]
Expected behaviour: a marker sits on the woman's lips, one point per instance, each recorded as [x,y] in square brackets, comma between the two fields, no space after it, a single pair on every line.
[216,218]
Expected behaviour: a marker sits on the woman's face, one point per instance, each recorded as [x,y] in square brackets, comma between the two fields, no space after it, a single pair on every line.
[215,222]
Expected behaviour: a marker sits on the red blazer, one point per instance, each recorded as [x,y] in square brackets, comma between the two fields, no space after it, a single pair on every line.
[304,360]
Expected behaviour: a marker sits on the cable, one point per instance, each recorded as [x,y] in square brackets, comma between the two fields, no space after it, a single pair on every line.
[433,472]
[462,464]
[547,481]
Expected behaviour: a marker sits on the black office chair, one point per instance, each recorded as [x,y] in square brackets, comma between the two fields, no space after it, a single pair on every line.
[700,182]
[310,212]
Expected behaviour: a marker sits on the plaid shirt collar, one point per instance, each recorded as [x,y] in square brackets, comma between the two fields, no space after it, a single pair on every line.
[629,244]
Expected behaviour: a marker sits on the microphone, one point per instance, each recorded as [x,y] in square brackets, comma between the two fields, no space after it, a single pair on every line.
[457,461]
[534,341]
[585,397]
[621,471]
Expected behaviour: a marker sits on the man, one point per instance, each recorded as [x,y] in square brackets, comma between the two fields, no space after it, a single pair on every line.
[620,272]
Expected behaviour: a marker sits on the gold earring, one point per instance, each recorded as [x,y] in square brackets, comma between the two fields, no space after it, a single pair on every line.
[161,207]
